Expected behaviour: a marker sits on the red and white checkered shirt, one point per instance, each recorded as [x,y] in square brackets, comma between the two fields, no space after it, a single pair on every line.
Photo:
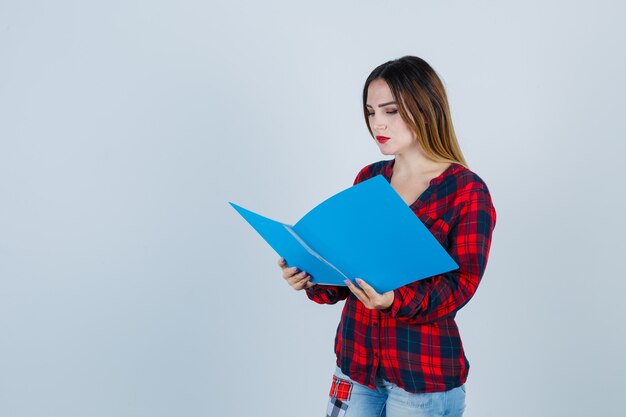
[416,343]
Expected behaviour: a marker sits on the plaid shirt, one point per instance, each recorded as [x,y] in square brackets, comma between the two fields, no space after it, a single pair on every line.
[415,343]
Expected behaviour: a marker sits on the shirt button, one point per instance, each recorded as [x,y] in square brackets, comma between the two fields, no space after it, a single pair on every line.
[375,323]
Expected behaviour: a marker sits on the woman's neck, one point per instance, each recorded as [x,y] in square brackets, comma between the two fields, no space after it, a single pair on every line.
[417,165]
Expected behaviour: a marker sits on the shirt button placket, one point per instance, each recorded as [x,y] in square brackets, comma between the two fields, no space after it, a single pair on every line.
[376,339]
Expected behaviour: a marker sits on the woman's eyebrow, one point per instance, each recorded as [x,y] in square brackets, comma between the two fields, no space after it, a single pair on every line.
[384,104]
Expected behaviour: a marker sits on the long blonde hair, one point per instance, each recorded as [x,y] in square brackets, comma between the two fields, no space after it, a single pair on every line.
[423,105]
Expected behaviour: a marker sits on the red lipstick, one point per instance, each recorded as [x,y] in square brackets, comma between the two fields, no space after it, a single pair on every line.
[382,139]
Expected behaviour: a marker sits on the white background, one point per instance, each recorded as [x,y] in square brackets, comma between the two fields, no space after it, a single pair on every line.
[128,285]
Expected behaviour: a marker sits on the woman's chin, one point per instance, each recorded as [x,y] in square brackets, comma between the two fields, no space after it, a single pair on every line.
[386,151]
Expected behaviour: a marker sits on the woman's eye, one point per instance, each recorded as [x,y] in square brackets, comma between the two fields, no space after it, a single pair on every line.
[388,112]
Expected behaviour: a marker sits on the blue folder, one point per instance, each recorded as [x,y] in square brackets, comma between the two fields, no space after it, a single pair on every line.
[366,231]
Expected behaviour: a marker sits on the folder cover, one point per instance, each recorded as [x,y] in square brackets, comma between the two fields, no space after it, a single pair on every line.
[366,231]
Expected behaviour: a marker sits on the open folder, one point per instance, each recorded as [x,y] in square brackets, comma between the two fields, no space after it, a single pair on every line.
[366,231]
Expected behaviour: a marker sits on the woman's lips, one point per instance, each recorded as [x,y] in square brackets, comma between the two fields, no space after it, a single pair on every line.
[382,139]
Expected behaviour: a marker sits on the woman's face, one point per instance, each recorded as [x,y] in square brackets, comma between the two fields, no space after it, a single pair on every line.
[392,134]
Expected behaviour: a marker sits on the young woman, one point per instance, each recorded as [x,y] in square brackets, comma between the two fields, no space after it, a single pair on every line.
[400,353]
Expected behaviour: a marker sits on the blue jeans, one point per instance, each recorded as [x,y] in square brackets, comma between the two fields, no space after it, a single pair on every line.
[351,399]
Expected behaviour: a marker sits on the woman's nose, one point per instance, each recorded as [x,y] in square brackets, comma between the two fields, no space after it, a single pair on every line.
[379,124]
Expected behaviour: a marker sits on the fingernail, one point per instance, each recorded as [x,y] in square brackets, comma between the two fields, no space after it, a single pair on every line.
[347,281]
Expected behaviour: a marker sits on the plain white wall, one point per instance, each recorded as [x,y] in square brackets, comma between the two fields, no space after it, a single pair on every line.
[129,287]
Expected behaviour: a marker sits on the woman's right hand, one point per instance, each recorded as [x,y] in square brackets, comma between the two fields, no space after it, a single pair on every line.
[298,280]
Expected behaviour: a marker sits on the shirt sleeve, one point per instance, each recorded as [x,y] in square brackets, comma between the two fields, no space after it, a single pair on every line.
[440,296]
[327,294]
[330,294]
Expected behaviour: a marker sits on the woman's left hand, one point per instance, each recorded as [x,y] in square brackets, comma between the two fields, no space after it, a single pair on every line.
[368,295]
